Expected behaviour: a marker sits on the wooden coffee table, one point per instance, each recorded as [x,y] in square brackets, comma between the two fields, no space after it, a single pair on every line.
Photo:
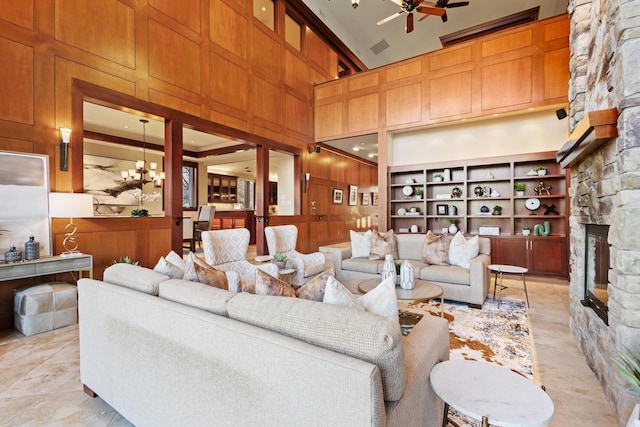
[423,291]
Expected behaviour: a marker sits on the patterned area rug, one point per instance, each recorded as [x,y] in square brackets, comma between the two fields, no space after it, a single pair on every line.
[495,335]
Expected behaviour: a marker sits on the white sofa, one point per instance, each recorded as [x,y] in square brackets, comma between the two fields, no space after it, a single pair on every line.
[169,352]
[459,284]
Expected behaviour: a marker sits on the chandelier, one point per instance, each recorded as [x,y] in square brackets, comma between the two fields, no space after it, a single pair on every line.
[141,175]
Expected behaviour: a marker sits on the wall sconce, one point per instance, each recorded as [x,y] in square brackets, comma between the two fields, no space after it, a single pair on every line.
[307,177]
[65,138]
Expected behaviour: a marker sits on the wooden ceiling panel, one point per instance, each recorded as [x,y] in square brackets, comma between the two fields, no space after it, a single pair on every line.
[298,115]
[228,82]
[404,104]
[267,55]
[187,13]
[296,74]
[556,73]
[363,113]
[267,100]
[507,84]
[450,95]
[19,13]
[228,28]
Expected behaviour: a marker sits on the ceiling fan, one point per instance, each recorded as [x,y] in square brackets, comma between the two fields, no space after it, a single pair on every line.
[429,8]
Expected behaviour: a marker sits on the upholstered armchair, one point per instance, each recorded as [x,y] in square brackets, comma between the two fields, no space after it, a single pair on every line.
[226,250]
[283,238]
[203,222]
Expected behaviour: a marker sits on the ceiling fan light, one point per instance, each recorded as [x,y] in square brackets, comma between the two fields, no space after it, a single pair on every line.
[355,3]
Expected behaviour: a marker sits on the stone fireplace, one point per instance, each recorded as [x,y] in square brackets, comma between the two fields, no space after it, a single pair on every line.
[605,182]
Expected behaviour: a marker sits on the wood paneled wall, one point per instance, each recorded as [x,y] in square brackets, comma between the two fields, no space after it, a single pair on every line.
[208,58]
[513,70]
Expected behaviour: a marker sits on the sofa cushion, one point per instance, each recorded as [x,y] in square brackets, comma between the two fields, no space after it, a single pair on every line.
[314,288]
[446,274]
[362,265]
[365,336]
[436,249]
[360,244]
[383,244]
[134,277]
[269,285]
[197,295]
[462,251]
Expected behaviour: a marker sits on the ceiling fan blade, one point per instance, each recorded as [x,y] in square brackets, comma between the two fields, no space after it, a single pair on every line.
[409,22]
[431,10]
[423,18]
[458,4]
[398,2]
[444,17]
[389,18]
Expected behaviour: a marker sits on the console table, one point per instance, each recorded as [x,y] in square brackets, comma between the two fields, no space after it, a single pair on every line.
[27,269]
[46,265]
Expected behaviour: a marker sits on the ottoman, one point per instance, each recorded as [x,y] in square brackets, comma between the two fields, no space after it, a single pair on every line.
[45,307]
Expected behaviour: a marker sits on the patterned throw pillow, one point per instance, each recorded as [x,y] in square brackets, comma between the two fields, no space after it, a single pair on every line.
[210,276]
[383,244]
[462,251]
[314,288]
[269,285]
[436,249]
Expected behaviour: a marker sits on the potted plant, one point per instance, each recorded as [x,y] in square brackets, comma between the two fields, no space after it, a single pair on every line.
[438,177]
[418,191]
[520,187]
[280,259]
[526,230]
[124,260]
[497,210]
[541,170]
[453,228]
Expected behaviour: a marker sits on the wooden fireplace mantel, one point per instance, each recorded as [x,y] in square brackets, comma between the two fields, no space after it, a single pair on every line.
[595,129]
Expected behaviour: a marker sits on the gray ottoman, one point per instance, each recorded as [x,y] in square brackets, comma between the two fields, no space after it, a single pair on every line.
[45,307]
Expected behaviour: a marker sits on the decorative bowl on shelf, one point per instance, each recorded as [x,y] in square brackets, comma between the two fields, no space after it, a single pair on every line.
[116,209]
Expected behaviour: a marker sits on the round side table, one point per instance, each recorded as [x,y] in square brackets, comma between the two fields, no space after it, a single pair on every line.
[499,270]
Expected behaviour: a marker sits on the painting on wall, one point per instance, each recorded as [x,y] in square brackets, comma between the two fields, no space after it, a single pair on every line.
[353,195]
[103,180]
[24,191]
[337,196]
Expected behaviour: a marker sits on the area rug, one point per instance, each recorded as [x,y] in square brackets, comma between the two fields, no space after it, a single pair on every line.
[492,334]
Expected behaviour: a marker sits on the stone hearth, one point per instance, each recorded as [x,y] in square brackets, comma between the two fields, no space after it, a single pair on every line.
[605,184]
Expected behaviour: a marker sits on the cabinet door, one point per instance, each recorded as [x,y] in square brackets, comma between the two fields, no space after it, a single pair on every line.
[233,189]
[548,256]
[214,194]
[511,251]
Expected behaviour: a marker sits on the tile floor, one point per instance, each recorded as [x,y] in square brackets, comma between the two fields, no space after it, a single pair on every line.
[40,379]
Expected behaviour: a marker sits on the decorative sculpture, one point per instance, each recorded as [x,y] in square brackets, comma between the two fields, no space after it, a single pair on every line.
[540,189]
[389,268]
[539,230]
[406,275]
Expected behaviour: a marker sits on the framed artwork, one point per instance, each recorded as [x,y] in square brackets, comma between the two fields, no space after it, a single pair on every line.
[366,199]
[374,199]
[338,194]
[24,191]
[353,195]
[442,209]
[103,179]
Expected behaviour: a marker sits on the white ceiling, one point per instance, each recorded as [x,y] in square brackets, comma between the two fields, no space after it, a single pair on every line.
[358,30]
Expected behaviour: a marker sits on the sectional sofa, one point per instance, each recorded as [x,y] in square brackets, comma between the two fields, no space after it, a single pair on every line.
[169,352]
[469,285]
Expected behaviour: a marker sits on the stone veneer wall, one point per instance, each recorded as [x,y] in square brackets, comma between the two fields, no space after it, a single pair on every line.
[605,186]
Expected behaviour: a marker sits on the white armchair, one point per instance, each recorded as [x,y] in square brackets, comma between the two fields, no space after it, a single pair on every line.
[283,238]
[226,250]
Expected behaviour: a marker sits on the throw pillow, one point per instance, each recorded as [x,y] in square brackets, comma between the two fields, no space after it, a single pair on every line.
[360,244]
[383,244]
[314,289]
[382,300]
[336,293]
[189,268]
[165,267]
[436,249]
[175,259]
[269,285]
[462,251]
[210,276]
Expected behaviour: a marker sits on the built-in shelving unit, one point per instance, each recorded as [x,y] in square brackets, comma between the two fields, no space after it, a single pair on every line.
[468,194]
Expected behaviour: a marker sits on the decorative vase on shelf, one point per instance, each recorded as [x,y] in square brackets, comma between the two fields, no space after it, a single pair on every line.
[453,228]
[447,175]
[31,249]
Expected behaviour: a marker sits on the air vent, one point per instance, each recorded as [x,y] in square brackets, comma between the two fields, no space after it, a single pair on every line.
[380,46]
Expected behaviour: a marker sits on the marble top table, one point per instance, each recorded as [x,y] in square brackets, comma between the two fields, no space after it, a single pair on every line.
[493,394]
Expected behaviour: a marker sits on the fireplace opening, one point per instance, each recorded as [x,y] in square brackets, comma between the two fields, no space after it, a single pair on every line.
[596,274]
